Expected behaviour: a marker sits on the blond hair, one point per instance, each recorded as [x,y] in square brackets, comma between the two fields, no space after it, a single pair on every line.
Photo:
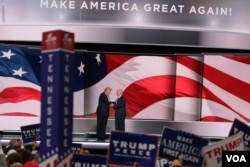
[107,88]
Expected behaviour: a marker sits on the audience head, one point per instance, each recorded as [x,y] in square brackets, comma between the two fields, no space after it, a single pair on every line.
[16,165]
[26,155]
[13,158]
[32,163]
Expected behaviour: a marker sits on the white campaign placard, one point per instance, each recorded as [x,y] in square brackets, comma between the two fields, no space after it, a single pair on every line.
[213,152]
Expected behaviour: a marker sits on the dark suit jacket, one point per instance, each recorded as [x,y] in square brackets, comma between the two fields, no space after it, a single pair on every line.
[120,107]
[103,105]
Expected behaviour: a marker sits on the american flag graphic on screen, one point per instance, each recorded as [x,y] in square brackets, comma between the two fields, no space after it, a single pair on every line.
[188,87]
[181,87]
[147,83]
[20,81]
[224,84]
[226,88]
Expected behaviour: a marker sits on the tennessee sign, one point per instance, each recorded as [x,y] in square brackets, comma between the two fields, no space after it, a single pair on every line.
[57,98]
[129,148]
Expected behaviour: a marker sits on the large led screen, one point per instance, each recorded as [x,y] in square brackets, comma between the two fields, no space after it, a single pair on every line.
[157,87]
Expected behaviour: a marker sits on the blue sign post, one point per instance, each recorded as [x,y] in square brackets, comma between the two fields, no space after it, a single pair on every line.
[57,99]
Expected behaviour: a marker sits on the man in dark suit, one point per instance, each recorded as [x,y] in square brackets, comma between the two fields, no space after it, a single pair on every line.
[103,113]
[120,111]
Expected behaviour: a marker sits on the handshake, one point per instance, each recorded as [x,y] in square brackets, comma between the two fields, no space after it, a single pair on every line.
[111,103]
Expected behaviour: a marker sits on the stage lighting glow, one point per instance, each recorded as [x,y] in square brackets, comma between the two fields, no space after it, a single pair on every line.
[213,23]
[61,17]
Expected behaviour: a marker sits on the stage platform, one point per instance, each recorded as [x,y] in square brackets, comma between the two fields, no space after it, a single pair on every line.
[155,127]
[84,130]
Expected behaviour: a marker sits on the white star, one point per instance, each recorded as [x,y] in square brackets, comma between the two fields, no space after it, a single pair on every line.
[98,58]
[52,152]
[81,68]
[8,54]
[40,59]
[19,72]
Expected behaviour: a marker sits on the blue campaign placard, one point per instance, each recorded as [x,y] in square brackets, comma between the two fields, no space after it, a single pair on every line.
[85,160]
[76,147]
[130,148]
[179,144]
[239,126]
[30,133]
